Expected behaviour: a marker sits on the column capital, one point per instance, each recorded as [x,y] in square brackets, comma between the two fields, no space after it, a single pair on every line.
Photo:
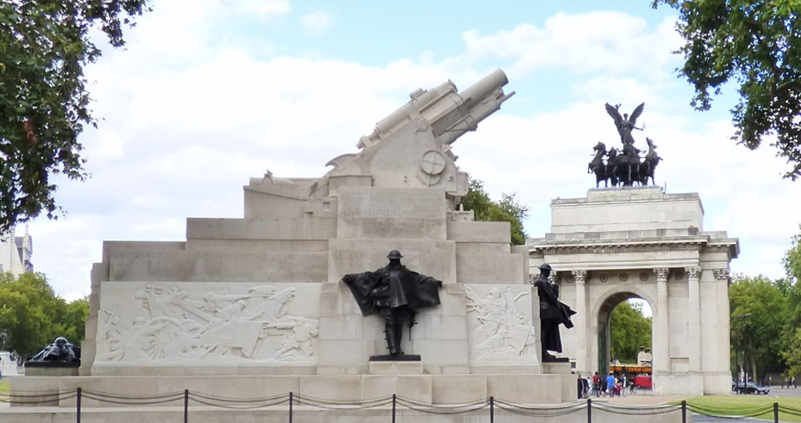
[662,274]
[693,272]
[579,275]
[721,274]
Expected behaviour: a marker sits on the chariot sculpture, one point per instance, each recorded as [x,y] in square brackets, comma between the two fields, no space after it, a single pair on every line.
[624,167]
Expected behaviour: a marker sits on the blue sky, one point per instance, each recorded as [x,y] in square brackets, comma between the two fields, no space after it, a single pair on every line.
[211,92]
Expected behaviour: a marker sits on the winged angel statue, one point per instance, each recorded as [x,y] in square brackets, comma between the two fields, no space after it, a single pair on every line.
[625,124]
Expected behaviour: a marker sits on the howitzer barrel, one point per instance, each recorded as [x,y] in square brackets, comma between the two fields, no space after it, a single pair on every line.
[475,93]
[446,112]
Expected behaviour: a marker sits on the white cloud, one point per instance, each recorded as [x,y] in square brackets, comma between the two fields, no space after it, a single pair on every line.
[316,22]
[263,10]
[589,43]
[188,121]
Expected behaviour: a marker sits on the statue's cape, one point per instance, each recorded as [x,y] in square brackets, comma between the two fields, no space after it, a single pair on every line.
[552,307]
[420,291]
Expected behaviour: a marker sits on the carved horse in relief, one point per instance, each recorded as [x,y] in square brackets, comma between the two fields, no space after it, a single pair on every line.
[597,165]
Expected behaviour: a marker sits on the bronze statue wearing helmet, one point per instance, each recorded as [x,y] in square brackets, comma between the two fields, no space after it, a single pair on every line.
[552,313]
[396,293]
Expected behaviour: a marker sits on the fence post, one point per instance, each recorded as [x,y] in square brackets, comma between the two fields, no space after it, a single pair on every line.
[290,406]
[492,409]
[589,410]
[78,407]
[775,412]
[186,405]
[683,411]
[394,398]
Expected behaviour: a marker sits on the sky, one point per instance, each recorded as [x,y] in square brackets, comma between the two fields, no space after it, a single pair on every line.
[208,93]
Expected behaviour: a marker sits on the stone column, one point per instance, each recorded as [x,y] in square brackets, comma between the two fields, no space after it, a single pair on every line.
[661,339]
[694,318]
[722,350]
[581,321]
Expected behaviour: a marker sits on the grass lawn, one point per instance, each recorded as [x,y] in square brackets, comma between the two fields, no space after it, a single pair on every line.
[742,405]
[5,388]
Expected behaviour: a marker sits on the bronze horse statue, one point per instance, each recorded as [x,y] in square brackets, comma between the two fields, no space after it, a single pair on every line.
[629,172]
[597,165]
[648,167]
[611,166]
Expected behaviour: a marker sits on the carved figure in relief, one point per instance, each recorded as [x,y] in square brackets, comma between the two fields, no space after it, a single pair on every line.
[297,340]
[552,313]
[218,324]
[396,293]
[502,329]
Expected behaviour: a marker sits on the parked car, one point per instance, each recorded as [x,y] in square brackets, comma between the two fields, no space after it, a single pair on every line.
[751,388]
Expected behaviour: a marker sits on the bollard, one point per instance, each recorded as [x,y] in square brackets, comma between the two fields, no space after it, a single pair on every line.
[186,405]
[589,410]
[394,398]
[683,411]
[78,407]
[290,406]
[492,409]
[775,412]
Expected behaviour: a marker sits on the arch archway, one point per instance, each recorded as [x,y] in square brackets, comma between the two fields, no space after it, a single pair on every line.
[603,312]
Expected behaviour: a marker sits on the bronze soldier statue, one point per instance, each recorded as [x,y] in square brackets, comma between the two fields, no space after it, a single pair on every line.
[396,293]
[552,313]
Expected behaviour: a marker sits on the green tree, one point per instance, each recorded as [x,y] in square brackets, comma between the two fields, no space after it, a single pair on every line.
[792,332]
[28,310]
[629,330]
[757,45]
[44,103]
[71,320]
[32,315]
[506,210]
[758,315]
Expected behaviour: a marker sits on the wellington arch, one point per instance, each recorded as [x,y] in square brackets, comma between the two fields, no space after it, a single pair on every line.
[622,243]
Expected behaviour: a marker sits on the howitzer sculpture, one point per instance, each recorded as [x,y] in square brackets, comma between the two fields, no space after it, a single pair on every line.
[427,125]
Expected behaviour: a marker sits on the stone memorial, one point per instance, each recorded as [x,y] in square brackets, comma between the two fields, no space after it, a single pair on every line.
[254,306]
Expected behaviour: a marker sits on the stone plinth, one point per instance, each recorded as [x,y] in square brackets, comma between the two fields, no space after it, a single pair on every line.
[438,389]
[51,369]
[395,368]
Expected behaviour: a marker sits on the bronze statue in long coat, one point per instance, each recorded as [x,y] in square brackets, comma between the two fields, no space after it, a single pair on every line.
[396,293]
[552,313]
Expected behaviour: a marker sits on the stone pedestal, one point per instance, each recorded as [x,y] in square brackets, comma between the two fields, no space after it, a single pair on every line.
[395,368]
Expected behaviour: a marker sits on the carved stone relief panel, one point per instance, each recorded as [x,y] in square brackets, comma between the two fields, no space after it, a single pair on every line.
[499,324]
[182,323]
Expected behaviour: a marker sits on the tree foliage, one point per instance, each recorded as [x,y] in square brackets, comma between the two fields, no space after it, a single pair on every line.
[32,315]
[44,102]
[792,333]
[757,45]
[629,330]
[506,210]
[758,315]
